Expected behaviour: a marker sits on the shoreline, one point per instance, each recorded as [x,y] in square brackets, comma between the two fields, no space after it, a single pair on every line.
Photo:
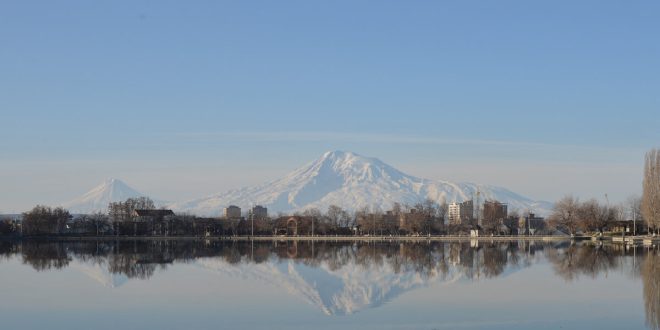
[646,240]
[298,238]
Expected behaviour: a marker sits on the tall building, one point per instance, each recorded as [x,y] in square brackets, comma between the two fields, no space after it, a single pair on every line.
[494,210]
[461,212]
[232,212]
[259,212]
[454,213]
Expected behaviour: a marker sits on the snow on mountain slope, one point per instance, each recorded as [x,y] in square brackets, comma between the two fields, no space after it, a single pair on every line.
[97,199]
[342,291]
[99,272]
[352,181]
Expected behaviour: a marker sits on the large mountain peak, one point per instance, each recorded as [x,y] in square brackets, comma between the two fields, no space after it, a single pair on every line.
[351,181]
[347,159]
[342,157]
[350,167]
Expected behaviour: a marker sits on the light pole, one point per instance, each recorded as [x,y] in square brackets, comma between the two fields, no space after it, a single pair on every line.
[634,212]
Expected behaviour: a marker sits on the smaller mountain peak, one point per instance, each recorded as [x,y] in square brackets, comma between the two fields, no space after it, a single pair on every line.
[110,181]
[113,184]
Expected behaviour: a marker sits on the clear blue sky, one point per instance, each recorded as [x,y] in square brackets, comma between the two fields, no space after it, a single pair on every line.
[187,98]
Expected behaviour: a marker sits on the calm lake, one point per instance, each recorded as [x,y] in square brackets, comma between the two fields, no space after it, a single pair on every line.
[327,285]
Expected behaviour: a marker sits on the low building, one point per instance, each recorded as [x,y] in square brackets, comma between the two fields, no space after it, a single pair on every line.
[628,227]
[530,224]
[293,225]
[151,222]
[232,212]
[155,215]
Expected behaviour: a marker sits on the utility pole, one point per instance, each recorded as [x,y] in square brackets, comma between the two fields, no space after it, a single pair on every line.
[634,212]
[252,220]
[478,207]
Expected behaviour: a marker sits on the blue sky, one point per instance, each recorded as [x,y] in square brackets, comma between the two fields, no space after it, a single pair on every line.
[183,99]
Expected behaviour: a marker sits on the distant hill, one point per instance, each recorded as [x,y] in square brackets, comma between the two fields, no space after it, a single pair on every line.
[97,199]
[11,216]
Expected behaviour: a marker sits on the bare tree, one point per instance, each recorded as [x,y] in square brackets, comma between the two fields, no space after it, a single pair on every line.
[314,215]
[593,216]
[121,212]
[651,189]
[564,214]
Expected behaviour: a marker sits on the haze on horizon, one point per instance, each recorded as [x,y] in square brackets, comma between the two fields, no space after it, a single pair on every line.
[183,101]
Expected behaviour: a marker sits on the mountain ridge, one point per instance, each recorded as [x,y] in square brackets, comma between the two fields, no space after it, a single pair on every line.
[352,181]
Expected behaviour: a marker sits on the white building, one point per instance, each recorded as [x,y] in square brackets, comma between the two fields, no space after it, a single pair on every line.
[461,212]
[454,213]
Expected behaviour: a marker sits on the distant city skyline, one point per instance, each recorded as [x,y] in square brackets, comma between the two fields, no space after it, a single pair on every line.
[183,101]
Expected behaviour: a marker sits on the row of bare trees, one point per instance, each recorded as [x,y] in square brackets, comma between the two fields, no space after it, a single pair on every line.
[44,220]
[425,217]
[123,211]
[572,215]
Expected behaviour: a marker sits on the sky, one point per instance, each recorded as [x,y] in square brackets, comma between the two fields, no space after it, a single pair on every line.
[185,99]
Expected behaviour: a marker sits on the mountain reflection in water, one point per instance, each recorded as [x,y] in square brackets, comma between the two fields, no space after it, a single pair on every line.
[345,277]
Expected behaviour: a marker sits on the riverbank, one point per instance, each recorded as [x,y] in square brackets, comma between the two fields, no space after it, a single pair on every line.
[297,238]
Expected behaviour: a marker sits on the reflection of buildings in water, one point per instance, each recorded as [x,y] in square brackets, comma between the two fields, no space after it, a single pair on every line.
[455,254]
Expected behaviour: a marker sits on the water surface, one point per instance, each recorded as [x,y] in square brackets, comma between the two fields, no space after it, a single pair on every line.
[327,285]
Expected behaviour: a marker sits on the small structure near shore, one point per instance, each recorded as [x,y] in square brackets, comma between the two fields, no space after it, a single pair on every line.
[152,215]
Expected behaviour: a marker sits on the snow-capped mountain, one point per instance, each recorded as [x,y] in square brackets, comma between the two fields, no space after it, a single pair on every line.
[97,199]
[352,181]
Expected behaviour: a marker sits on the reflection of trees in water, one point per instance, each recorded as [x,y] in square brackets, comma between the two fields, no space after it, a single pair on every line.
[131,266]
[7,249]
[588,259]
[141,259]
[651,282]
[495,258]
[473,260]
[46,255]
